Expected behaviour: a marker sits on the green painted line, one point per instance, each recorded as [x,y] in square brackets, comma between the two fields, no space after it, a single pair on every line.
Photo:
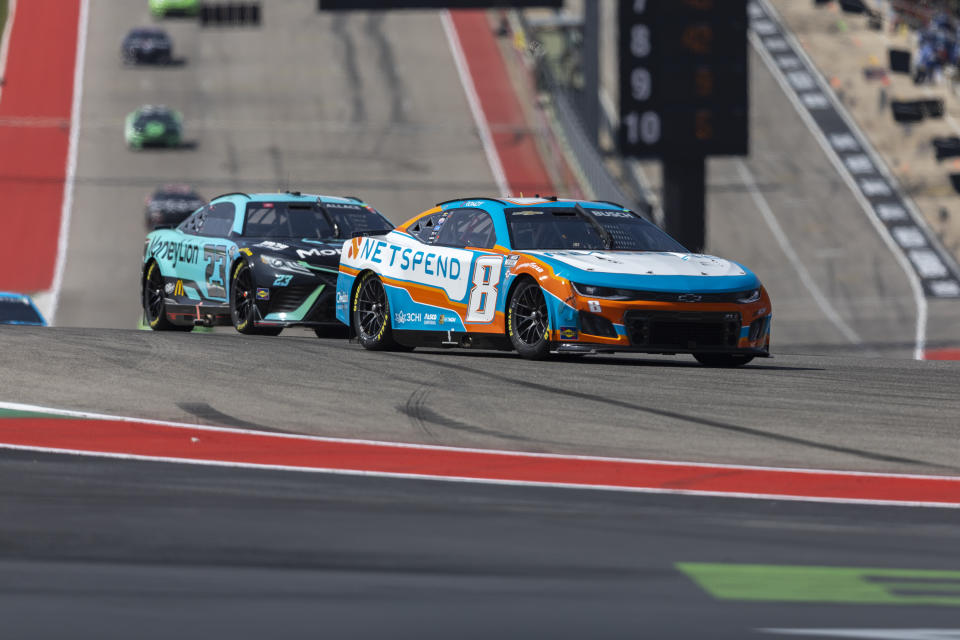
[6,414]
[843,585]
[3,18]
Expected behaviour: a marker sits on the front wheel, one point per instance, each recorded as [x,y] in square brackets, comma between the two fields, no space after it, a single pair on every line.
[154,305]
[528,322]
[722,359]
[243,300]
[371,314]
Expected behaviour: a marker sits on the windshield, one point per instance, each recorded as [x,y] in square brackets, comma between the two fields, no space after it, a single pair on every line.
[146,34]
[177,195]
[144,118]
[311,220]
[556,228]
[16,310]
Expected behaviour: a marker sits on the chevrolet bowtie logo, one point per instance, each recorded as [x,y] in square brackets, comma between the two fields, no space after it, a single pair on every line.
[689,297]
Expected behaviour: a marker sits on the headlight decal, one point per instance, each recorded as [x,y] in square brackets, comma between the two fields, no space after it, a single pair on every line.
[283,264]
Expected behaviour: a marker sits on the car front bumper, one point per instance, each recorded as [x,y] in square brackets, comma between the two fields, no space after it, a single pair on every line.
[603,325]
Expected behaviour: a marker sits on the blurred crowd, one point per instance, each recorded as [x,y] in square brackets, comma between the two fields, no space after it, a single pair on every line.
[937,27]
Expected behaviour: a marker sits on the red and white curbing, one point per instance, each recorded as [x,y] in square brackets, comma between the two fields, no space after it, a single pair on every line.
[51,430]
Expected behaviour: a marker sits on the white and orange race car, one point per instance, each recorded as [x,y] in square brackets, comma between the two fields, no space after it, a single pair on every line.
[546,275]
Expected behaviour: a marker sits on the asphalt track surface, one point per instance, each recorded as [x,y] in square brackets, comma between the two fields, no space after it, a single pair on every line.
[347,104]
[792,411]
[848,262]
[206,552]
[372,107]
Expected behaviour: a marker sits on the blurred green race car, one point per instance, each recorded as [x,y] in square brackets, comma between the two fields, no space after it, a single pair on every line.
[163,8]
[153,126]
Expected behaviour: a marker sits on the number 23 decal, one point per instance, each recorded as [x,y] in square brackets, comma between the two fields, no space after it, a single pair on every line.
[483,296]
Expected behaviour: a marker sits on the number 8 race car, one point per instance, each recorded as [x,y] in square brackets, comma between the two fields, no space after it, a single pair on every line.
[542,275]
[261,262]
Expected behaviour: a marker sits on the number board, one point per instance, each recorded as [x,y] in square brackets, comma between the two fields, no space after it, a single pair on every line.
[683,77]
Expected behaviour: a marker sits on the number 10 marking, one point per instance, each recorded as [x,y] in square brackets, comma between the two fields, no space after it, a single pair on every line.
[483,296]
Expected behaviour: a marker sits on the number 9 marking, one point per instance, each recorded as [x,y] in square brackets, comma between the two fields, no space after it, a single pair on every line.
[483,296]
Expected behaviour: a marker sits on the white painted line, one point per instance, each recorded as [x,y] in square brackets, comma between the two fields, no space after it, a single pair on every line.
[5,40]
[768,216]
[468,480]
[872,634]
[71,174]
[483,127]
[86,415]
[920,300]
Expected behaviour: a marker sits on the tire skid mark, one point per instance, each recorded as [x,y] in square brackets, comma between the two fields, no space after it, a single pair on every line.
[706,422]
[339,27]
[210,415]
[388,66]
[421,416]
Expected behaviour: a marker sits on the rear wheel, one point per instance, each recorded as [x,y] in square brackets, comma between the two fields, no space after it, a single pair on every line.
[371,314]
[154,304]
[528,322]
[722,359]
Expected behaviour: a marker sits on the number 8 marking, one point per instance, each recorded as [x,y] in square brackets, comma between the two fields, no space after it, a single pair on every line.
[483,296]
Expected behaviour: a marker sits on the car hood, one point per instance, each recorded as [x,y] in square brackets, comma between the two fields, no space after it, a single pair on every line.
[156,128]
[314,252]
[650,271]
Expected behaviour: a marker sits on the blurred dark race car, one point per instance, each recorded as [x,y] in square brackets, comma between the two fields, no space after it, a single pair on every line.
[170,204]
[18,308]
[149,45]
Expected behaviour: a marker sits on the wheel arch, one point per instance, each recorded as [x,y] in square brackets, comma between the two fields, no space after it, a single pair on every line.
[353,291]
[514,285]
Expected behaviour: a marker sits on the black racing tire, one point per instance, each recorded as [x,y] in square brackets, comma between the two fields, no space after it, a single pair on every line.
[528,321]
[371,314]
[154,305]
[243,301]
[722,359]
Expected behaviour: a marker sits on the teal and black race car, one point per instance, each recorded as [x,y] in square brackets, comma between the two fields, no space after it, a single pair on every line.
[164,8]
[153,126]
[261,262]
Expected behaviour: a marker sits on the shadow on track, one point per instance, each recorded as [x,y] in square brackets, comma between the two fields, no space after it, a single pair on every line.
[675,415]
[586,359]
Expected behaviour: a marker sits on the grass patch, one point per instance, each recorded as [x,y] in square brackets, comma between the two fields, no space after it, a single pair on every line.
[3,16]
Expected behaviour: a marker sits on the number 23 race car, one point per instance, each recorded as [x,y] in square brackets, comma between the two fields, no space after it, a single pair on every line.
[545,275]
[260,262]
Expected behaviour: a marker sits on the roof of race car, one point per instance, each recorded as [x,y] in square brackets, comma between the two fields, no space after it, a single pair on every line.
[530,202]
[291,196]
[508,203]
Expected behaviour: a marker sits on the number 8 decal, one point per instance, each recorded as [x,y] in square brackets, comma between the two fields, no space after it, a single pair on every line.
[483,296]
